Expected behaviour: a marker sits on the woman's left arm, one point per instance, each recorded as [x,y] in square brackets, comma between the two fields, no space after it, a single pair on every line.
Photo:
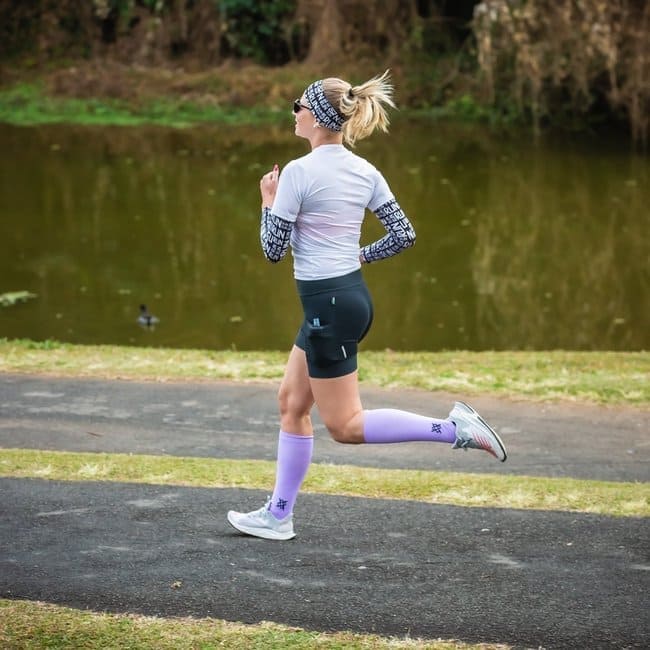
[400,234]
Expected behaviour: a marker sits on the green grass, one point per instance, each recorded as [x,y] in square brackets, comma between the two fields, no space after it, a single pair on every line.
[608,378]
[29,625]
[451,488]
[26,105]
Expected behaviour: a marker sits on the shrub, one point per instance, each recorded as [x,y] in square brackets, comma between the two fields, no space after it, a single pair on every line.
[587,53]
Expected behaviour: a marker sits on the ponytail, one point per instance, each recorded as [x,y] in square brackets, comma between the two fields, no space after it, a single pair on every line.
[362,106]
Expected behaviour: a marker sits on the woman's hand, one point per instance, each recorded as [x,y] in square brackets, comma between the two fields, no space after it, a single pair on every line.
[269,186]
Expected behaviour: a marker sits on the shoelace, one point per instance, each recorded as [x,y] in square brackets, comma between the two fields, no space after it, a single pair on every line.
[477,442]
[263,510]
[462,443]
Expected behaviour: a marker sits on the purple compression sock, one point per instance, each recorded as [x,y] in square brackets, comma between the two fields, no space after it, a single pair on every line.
[391,425]
[294,456]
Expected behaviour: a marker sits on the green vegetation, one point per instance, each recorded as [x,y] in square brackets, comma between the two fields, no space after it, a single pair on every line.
[27,104]
[35,625]
[612,378]
[257,29]
[451,488]
[576,62]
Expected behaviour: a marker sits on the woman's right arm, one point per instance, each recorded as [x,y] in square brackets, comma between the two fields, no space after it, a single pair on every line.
[275,234]
[277,193]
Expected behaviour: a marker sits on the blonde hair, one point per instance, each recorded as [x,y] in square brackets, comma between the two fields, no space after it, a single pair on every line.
[362,106]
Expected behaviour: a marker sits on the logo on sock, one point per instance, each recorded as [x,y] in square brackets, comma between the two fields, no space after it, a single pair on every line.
[281,504]
[436,428]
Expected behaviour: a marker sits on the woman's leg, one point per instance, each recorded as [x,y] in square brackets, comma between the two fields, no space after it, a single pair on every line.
[295,398]
[295,445]
[340,408]
[339,405]
[296,439]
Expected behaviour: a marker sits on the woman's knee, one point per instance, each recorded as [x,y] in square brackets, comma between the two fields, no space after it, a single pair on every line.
[339,434]
[294,402]
[344,431]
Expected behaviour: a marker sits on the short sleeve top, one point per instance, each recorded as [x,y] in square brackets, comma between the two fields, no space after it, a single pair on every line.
[325,194]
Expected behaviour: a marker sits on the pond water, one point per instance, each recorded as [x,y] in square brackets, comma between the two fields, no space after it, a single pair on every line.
[521,244]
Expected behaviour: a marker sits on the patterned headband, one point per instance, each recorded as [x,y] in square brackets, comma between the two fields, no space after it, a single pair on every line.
[323,111]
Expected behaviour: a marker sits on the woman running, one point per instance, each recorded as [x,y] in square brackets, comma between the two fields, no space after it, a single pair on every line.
[316,207]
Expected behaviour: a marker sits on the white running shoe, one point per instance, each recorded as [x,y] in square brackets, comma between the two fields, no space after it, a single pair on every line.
[261,523]
[473,432]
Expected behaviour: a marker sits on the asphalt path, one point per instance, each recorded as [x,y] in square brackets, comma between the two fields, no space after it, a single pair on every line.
[233,420]
[529,578]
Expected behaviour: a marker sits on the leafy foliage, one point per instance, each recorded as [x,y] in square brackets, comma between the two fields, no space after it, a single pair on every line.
[548,61]
[257,30]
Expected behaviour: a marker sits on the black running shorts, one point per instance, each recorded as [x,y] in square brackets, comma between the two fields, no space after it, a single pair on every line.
[338,314]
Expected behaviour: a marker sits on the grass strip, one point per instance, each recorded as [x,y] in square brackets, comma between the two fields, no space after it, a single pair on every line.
[32,625]
[608,378]
[451,488]
[207,102]
[28,105]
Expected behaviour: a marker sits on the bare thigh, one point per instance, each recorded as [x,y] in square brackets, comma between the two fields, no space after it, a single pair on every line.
[295,396]
[339,406]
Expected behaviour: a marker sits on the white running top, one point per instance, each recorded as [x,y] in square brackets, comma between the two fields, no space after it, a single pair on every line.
[325,194]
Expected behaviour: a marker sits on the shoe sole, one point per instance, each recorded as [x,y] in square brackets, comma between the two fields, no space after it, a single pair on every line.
[491,430]
[260,532]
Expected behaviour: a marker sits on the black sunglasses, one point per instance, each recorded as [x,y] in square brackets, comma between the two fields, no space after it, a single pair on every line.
[297,106]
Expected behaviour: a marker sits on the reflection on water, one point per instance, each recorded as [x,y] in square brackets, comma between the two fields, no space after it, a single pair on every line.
[520,245]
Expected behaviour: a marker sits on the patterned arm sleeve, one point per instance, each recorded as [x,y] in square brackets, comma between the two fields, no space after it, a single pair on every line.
[275,234]
[400,233]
